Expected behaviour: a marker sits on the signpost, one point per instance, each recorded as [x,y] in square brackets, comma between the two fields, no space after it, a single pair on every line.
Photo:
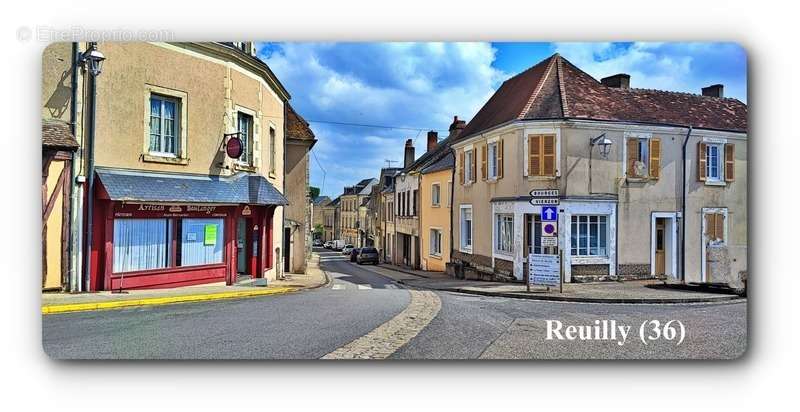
[544,270]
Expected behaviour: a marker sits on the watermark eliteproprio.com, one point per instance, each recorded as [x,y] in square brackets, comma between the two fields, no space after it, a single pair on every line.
[51,34]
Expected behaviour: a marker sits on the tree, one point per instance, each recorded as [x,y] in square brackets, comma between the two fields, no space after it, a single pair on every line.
[313,192]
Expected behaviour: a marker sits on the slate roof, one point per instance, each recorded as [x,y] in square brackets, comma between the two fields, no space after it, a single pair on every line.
[296,127]
[241,188]
[447,161]
[556,89]
[322,200]
[57,135]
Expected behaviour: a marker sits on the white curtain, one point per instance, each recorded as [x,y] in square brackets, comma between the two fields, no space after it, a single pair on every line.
[194,248]
[140,244]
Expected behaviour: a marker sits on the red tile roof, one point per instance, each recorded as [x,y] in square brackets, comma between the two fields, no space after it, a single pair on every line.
[296,126]
[57,135]
[557,89]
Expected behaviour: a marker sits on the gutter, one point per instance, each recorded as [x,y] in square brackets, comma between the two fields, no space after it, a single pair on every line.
[87,269]
[683,205]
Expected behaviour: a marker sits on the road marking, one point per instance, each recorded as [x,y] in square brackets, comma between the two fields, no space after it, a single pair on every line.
[338,286]
[386,339]
[365,287]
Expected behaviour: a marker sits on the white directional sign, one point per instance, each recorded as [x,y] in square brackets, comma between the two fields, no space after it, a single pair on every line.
[549,213]
[544,269]
[544,197]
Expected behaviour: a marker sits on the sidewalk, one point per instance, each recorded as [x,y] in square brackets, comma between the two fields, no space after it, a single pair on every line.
[64,302]
[646,291]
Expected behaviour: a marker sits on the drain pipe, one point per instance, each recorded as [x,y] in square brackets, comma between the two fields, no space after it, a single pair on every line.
[87,267]
[683,206]
[73,246]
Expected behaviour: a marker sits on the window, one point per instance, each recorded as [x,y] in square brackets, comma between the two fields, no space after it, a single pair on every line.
[713,163]
[466,227]
[272,150]
[504,233]
[449,193]
[469,166]
[163,126]
[435,194]
[245,129]
[201,241]
[542,155]
[643,157]
[589,235]
[436,242]
[141,244]
[534,223]
[492,160]
[414,202]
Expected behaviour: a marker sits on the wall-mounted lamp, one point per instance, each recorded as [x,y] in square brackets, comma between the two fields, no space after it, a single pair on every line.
[604,142]
[93,59]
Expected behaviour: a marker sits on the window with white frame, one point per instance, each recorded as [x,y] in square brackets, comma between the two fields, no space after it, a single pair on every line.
[466,227]
[436,194]
[164,126]
[504,233]
[589,235]
[449,193]
[436,242]
[245,128]
[491,154]
[469,165]
[714,171]
[272,149]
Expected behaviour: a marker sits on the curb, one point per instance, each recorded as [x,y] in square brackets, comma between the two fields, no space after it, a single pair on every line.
[92,306]
[581,299]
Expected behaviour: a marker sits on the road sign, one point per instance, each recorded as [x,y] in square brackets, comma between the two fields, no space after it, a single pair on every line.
[549,213]
[544,269]
[544,197]
[549,229]
[544,193]
[549,241]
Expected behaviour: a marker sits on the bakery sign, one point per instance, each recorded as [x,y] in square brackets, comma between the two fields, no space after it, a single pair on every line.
[163,210]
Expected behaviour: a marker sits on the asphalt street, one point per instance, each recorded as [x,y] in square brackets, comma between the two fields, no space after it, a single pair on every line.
[310,324]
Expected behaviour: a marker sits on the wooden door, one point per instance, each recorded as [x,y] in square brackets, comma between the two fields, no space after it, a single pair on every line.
[660,241]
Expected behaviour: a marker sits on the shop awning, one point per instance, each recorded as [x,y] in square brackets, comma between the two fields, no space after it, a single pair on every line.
[139,186]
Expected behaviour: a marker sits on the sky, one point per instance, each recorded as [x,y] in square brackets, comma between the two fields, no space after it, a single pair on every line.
[389,92]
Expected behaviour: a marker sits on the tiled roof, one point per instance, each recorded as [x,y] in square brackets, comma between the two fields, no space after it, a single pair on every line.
[296,127]
[448,161]
[557,89]
[57,135]
[322,200]
[241,188]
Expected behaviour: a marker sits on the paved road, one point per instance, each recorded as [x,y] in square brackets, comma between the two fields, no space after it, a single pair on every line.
[314,323]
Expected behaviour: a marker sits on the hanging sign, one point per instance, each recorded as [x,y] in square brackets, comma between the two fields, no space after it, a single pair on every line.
[234,146]
[210,235]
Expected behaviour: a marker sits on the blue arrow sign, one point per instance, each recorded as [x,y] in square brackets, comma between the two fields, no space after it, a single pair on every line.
[549,213]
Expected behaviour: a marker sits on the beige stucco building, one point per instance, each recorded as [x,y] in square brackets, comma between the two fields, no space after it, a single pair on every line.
[353,213]
[610,159]
[169,119]
[298,226]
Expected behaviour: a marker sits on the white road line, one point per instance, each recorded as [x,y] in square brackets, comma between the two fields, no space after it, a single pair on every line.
[365,287]
[338,286]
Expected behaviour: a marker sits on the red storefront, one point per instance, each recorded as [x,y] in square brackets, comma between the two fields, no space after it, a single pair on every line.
[194,231]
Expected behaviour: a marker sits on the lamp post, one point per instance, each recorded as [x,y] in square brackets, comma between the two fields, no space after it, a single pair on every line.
[92,62]
[605,147]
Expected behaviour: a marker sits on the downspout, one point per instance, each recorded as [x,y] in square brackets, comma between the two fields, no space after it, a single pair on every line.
[284,252]
[683,206]
[90,183]
[452,189]
[73,245]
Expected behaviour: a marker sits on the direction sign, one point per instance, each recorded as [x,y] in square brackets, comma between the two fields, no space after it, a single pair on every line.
[544,193]
[549,229]
[544,197]
[544,269]
[549,213]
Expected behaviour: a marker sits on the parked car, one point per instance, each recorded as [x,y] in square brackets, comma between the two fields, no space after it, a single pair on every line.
[317,242]
[347,249]
[353,254]
[367,255]
[328,245]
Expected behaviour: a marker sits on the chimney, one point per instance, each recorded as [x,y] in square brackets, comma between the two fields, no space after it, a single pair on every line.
[715,90]
[457,126]
[409,154]
[433,140]
[617,81]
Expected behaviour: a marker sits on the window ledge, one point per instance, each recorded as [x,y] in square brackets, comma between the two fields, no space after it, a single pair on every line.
[149,158]
[436,206]
[631,179]
[715,183]
[272,174]
[437,257]
[541,178]
[504,254]
[465,250]
[244,167]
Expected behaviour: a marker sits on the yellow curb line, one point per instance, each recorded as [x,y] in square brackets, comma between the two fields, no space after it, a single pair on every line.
[82,307]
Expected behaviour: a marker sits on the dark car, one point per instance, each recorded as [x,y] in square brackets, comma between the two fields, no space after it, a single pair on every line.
[367,255]
[354,254]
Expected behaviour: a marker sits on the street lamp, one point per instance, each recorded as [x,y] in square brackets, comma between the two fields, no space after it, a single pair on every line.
[604,142]
[93,59]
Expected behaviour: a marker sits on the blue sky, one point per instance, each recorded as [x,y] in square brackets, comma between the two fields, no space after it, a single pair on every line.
[409,88]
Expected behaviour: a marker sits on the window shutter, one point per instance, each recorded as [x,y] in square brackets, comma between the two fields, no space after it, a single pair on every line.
[500,159]
[461,167]
[534,149]
[474,166]
[484,152]
[719,226]
[632,147]
[549,155]
[701,161]
[730,159]
[655,158]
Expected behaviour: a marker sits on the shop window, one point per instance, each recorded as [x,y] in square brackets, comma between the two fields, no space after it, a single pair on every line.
[201,241]
[589,235]
[163,126]
[504,233]
[141,244]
